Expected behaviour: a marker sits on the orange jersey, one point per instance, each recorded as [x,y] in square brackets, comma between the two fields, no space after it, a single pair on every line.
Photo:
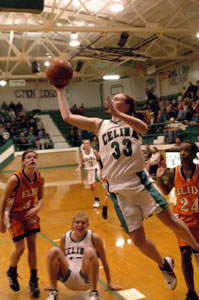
[187,193]
[25,195]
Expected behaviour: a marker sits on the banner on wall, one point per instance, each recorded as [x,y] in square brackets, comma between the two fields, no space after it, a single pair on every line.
[173,77]
[17,82]
[177,75]
[184,72]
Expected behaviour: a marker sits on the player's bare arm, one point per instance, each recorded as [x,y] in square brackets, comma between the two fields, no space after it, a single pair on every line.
[165,187]
[90,124]
[99,247]
[34,211]
[61,245]
[10,186]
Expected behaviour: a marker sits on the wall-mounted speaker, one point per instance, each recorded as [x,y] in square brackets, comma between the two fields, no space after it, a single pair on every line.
[35,67]
[79,66]
[123,39]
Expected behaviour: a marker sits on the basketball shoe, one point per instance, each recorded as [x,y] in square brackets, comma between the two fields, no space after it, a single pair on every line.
[191,295]
[105,212]
[167,271]
[33,285]
[53,295]
[96,204]
[12,277]
[93,295]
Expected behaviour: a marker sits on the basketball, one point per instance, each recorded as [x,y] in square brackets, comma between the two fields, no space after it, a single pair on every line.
[59,73]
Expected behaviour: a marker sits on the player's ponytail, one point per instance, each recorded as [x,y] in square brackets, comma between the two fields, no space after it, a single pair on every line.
[140,114]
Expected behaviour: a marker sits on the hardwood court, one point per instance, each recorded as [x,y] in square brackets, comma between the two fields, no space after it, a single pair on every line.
[65,195]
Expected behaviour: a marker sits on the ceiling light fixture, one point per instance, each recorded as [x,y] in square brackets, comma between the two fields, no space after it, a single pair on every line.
[3,82]
[47,64]
[111,77]
[116,6]
[197,35]
[74,40]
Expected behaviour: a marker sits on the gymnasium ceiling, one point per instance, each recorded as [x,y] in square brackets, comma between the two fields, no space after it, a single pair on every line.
[162,33]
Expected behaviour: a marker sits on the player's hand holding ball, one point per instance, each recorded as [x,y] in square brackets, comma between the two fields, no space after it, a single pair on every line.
[59,73]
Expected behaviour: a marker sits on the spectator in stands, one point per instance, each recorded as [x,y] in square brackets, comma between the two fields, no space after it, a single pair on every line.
[183,93]
[74,109]
[22,142]
[191,90]
[181,111]
[32,123]
[152,165]
[168,109]
[39,123]
[5,134]
[4,106]
[31,140]
[12,106]
[161,119]
[19,107]
[173,130]
[153,105]
[81,109]
[190,109]
[177,143]
[12,115]
[152,123]
[95,143]
[22,114]
[196,111]
[40,141]
[6,115]
[197,93]
[1,129]
[162,104]
[1,117]
[174,109]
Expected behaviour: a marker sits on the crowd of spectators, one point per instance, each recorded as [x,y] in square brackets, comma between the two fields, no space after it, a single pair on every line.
[169,117]
[172,117]
[26,130]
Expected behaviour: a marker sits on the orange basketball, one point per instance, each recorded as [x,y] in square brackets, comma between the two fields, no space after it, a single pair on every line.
[59,73]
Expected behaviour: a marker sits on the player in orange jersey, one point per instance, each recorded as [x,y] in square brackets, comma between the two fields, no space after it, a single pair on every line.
[185,179]
[20,205]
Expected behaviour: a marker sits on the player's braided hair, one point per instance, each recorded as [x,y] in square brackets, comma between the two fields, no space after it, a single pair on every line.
[193,146]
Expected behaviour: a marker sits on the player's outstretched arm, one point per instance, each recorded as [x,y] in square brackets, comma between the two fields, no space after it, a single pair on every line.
[99,247]
[165,187]
[90,124]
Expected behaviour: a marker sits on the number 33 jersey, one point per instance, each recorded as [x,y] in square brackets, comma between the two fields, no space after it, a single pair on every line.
[187,192]
[120,150]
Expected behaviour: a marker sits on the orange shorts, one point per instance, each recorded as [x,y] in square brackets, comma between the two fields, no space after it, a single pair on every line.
[21,227]
[192,223]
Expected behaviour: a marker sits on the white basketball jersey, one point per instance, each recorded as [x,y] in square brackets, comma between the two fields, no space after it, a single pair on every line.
[90,160]
[74,250]
[120,149]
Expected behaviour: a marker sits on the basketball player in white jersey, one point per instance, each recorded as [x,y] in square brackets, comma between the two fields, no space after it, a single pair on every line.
[89,161]
[76,262]
[133,192]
